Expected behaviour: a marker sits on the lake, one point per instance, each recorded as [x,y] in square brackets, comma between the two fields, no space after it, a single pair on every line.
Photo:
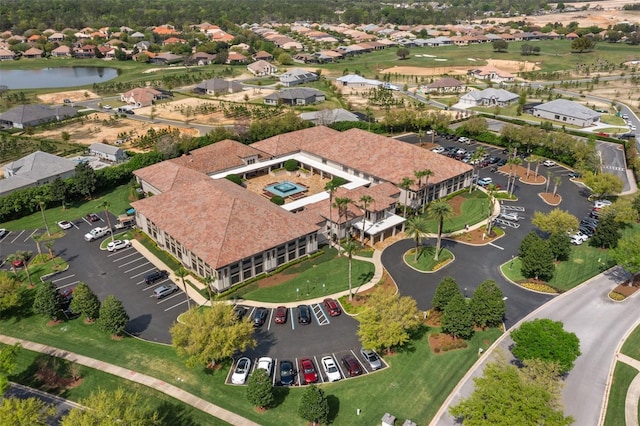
[55,77]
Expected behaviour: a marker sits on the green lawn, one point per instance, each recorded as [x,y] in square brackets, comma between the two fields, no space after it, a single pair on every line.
[474,209]
[584,262]
[623,375]
[425,260]
[430,377]
[118,203]
[170,410]
[631,346]
[327,277]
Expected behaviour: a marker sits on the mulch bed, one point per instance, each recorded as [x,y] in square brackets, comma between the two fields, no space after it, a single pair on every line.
[627,288]
[521,172]
[550,199]
[475,236]
[440,342]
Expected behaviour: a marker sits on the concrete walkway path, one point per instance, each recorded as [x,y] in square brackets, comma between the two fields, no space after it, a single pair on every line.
[633,392]
[134,376]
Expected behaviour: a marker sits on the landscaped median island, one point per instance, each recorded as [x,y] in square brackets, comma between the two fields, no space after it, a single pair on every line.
[425,262]
[622,377]
[468,208]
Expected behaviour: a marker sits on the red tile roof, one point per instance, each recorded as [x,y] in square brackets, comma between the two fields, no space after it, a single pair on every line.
[294,141]
[218,156]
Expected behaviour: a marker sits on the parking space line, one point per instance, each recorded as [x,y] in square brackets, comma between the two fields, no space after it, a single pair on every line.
[129,263]
[293,323]
[30,235]
[318,312]
[17,236]
[68,285]
[299,375]
[335,358]
[136,267]
[63,278]
[155,284]
[251,313]
[123,257]
[359,362]
[169,297]
[176,305]
[498,247]
[318,369]
[274,367]
[143,273]
[270,318]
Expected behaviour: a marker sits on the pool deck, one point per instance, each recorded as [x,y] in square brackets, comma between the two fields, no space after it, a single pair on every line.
[315,184]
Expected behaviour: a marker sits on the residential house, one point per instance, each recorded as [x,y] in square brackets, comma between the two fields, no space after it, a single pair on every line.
[143,96]
[6,55]
[262,56]
[355,81]
[297,76]
[35,169]
[567,112]
[107,152]
[488,97]
[61,52]
[218,86]
[166,58]
[32,115]
[262,68]
[298,96]
[174,40]
[85,52]
[491,73]
[445,85]
[201,58]
[137,35]
[33,53]
[234,58]
[327,117]
[56,37]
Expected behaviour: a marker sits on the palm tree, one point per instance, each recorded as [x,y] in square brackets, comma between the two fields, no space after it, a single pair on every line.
[528,168]
[342,204]
[475,159]
[349,248]
[49,245]
[491,189]
[25,255]
[548,181]
[537,160]
[38,238]
[181,272]
[406,184]
[41,204]
[440,210]
[515,163]
[331,187]
[417,228]
[427,174]
[105,206]
[208,280]
[10,259]
[556,183]
[365,200]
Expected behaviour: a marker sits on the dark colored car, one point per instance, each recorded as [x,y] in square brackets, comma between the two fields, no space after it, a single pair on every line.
[287,373]
[586,231]
[575,175]
[493,160]
[66,296]
[259,317]
[304,316]
[351,365]
[332,307]
[240,312]
[281,315]
[92,217]
[501,162]
[308,371]
[154,276]
[3,232]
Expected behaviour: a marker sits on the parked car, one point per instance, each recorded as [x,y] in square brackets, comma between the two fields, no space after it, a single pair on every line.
[371,358]
[18,263]
[265,363]
[259,317]
[576,241]
[463,139]
[586,231]
[579,235]
[330,369]
[438,150]
[287,373]
[598,204]
[3,232]
[485,181]
[281,315]
[351,365]
[243,366]
[512,216]
[96,233]
[165,290]
[332,307]
[304,316]
[501,162]
[66,101]
[154,276]
[118,244]
[107,107]
[92,217]
[308,371]
[574,175]
[239,312]
[548,163]
[65,224]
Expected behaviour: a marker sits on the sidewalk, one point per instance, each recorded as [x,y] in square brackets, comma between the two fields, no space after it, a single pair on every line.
[633,392]
[134,376]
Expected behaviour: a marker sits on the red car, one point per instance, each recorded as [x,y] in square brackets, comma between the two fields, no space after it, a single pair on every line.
[18,263]
[308,371]
[332,307]
[92,217]
[281,315]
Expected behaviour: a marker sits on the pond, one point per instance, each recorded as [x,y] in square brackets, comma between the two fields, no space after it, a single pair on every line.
[55,77]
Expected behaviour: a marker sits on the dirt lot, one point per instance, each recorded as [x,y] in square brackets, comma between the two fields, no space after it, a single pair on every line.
[73,95]
[440,68]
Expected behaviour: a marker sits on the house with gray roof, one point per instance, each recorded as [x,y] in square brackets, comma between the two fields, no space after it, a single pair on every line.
[35,169]
[568,112]
[297,76]
[488,97]
[300,96]
[326,117]
[107,152]
[218,86]
[32,115]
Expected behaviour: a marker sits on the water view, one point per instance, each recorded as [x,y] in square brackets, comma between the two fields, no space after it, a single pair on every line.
[55,77]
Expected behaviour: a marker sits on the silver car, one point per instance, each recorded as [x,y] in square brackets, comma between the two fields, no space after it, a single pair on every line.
[164,290]
[239,376]
[371,358]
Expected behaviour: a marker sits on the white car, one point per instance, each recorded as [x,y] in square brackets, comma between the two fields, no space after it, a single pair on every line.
[512,216]
[64,224]
[576,241]
[579,236]
[243,366]
[601,204]
[438,150]
[632,127]
[3,232]
[548,163]
[118,244]
[265,363]
[485,181]
[330,369]
[107,107]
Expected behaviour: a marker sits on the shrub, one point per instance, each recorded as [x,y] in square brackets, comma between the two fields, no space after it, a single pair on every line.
[234,178]
[291,165]
[277,200]
[614,295]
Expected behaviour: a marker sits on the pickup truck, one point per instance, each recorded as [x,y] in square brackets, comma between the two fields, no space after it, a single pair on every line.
[96,233]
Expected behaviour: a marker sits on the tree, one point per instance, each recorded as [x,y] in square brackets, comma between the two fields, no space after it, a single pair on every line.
[503,395]
[439,210]
[560,245]
[331,187]
[49,245]
[487,305]
[112,317]
[260,389]
[388,320]
[210,335]
[417,228]
[457,318]
[11,293]
[556,184]
[627,253]
[342,204]
[557,221]
[622,210]
[446,290]
[350,247]
[477,156]
[25,256]
[603,184]
[427,174]
[47,301]
[403,53]
[181,272]
[85,179]
[537,261]
[58,191]
[607,233]
[583,44]
[314,406]
[475,126]
[366,200]
[8,364]
[546,340]
[105,206]
[37,238]
[405,185]
[109,408]
[25,412]
[42,204]
[500,45]
[85,302]
[285,59]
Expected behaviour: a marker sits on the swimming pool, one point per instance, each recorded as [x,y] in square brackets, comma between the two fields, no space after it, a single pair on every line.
[285,188]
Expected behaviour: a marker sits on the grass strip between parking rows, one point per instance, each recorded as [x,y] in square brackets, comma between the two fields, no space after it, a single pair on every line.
[429,377]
